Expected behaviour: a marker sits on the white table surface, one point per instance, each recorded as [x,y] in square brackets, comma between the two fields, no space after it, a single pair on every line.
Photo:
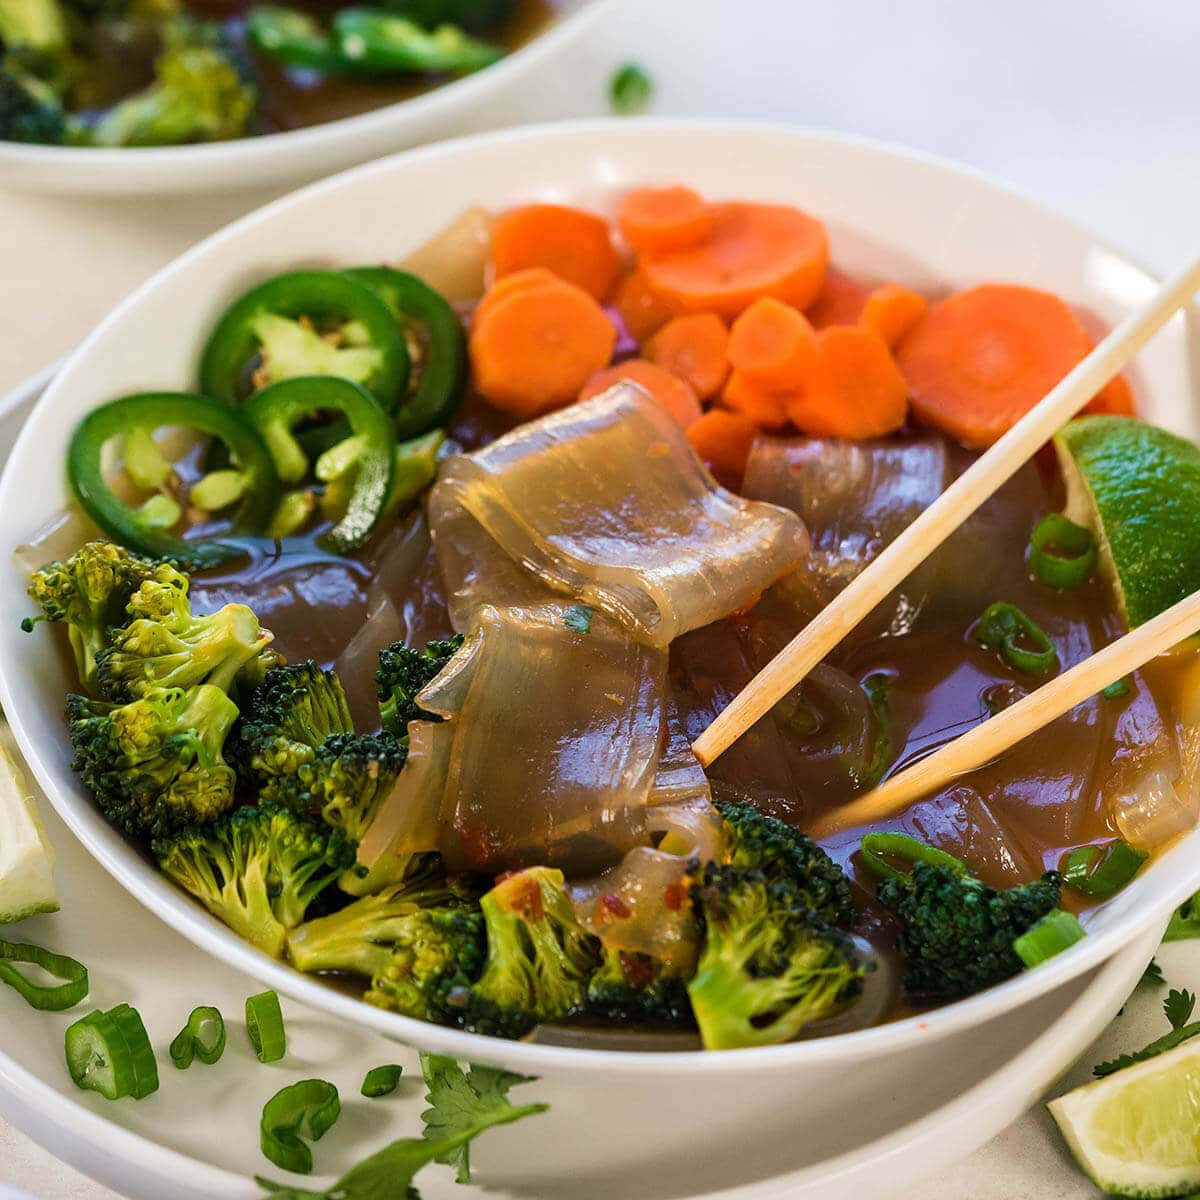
[1089,105]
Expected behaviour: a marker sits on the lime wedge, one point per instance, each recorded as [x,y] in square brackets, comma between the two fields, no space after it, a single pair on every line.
[1137,488]
[1137,1132]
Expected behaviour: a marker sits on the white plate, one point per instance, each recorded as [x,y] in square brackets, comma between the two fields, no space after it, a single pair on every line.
[480,101]
[195,1140]
[953,227]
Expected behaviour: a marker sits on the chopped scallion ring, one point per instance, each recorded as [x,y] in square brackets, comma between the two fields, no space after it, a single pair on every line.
[203,1037]
[382,1081]
[1118,690]
[57,998]
[264,1024]
[875,846]
[1050,936]
[110,1053]
[1101,871]
[1024,645]
[1061,554]
[310,1106]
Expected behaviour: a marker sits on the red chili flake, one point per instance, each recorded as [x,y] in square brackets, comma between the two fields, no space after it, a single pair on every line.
[638,969]
[614,906]
[675,897]
[523,896]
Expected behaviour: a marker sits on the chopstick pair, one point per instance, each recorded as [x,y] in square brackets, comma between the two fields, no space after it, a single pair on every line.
[922,537]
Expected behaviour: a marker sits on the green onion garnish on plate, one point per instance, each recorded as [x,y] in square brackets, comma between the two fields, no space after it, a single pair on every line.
[264,1024]
[309,1107]
[203,1037]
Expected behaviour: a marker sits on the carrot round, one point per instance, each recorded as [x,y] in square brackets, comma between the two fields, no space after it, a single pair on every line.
[574,244]
[893,311]
[658,220]
[535,348]
[1115,399]
[516,282]
[641,309]
[983,358]
[772,344]
[856,391]
[766,408]
[840,301]
[753,250]
[673,393]
[722,441]
[695,348]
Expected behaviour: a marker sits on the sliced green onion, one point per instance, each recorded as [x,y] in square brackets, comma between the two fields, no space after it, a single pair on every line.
[912,850]
[310,1107]
[141,1053]
[264,1024]
[1050,936]
[1024,645]
[218,489]
[1061,553]
[630,90]
[382,1081]
[1101,871]
[98,1058]
[1115,691]
[145,463]
[203,1037]
[57,998]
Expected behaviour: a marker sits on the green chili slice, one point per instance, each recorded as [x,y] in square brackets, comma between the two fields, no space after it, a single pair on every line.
[292,38]
[309,1107]
[318,296]
[57,998]
[264,1024]
[1101,871]
[1024,645]
[371,39]
[203,1037]
[440,372]
[382,1081]
[278,408]
[1061,554]
[1050,936]
[876,848]
[151,410]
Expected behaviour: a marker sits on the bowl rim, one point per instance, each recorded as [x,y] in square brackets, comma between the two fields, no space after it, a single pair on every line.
[245,151]
[207,932]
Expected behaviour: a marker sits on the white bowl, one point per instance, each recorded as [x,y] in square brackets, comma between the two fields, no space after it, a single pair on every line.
[889,212]
[473,103]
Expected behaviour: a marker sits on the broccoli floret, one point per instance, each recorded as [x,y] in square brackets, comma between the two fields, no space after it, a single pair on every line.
[29,110]
[782,852]
[286,718]
[475,16]
[348,777]
[360,937]
[155,765]
[958,932]
[198,95]
[258,869]
[403,674]
[639,989]
[539,958]
[39,25]
[166,646]
[768,965]
[90,592]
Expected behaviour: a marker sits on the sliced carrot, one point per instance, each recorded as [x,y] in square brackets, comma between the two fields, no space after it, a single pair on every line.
[695,348]
[773,345]
[674,394]
[535,348]
[753,250]
[641,309]
[857,390]
[575,245]
[893,311]
[983,358]
[840,302]
[766,408]
[658,220]
[516,282]
[722,441]
[1115,399]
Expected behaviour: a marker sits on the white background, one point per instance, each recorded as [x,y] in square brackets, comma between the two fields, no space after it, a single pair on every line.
[1093,106]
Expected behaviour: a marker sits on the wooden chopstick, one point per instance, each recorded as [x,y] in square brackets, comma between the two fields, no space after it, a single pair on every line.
[997,734]
[945,515]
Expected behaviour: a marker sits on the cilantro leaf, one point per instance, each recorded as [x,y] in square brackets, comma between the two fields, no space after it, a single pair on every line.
[1185,921]
[1153,974]
[386,1175]
[464,1104]
[578,618]
[1177,1007]
[1167,1042]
